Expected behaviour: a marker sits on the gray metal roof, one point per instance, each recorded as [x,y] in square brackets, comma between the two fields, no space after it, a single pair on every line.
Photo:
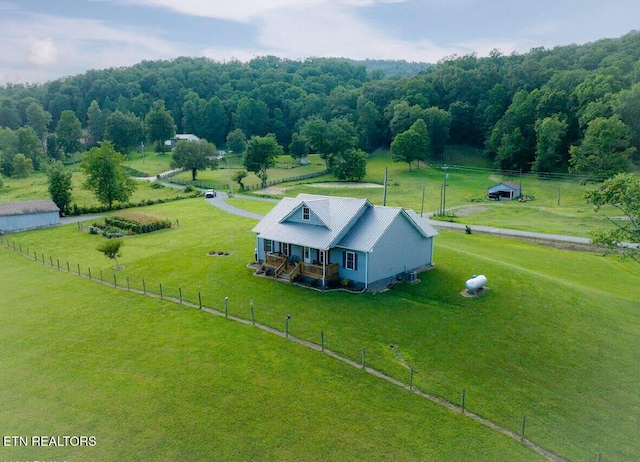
[351,223]
[28,207]
[422,223]
[507,184]
[338,213]
[370,228]
[374,223]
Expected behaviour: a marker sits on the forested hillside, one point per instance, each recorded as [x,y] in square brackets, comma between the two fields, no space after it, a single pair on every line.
[571,108]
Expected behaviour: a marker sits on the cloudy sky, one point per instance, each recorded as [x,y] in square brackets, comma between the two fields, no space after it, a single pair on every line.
[43,40]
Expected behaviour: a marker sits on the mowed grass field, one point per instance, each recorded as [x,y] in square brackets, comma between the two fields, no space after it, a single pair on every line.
[558,208]
[153,380]
[555,337]
[35,187]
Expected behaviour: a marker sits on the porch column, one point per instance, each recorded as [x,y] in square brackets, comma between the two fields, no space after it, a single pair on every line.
[324,266]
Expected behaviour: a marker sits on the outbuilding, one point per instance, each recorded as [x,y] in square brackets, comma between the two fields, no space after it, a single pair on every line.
[504,191]
[181,137]
[21,216]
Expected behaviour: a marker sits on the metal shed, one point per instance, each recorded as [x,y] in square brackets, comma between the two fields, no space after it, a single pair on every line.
[21,216]
[507,190]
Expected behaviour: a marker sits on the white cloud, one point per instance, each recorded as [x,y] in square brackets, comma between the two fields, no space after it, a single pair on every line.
[246,10]
[42,52]
[58,46]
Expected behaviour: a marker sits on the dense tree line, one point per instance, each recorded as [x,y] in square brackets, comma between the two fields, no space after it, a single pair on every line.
[568,108]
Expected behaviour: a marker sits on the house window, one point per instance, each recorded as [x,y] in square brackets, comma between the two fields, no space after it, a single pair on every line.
[307,253]
[268,245]
[350,260]
[285,250]
[305,213]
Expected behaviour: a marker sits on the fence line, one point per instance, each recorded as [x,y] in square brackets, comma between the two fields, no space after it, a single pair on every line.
[125,283]
[205,185]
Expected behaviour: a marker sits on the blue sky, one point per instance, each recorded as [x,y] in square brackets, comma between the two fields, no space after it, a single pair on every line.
[43,40]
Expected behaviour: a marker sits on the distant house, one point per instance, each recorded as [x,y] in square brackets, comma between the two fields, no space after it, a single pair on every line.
[181,137]
[21,216]
[326,240]
[507,190]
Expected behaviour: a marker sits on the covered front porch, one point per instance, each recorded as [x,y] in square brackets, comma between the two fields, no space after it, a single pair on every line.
[289,268]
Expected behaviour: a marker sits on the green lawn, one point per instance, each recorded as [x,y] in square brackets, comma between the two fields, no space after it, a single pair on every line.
[558,207]
[35,188]
[152,163]
[553,339]
[286,168]
[572,215]
[153,380]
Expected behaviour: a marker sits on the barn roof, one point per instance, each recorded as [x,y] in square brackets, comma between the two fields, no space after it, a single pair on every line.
[28,207]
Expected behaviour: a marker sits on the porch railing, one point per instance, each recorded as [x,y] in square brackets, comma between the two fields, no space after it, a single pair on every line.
[273,260]
[331,271]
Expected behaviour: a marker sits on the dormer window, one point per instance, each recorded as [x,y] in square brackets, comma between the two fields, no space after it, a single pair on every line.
[305,213]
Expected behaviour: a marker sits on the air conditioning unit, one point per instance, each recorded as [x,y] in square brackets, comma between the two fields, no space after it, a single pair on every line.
[412,276]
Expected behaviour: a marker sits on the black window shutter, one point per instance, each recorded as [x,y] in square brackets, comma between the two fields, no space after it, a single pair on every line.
[355,261]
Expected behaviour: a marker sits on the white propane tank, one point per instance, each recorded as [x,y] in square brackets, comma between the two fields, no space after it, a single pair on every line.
[476,283]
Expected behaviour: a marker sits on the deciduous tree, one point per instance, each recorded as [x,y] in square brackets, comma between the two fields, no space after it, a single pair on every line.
[314,130]
[96,121]
[550,133]
[238,177]
[194,156]
[59,184]
[412,144]
[124,131]
[251,116]
[160,125]
[69,132]
[105,175]
[350,165]
[623,193]
[237,141]
[298,148]
[111,249]
[39,120]
[261,155]
[29,145]
[22,166]
[605,149]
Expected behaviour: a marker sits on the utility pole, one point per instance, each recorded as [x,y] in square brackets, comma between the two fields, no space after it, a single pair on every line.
[384,196]
[444,190]
[521,182]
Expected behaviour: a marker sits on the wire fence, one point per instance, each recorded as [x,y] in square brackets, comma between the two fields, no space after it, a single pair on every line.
[371,358]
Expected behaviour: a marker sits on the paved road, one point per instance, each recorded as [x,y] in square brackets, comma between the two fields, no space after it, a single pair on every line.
[511,232]
[220,202]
